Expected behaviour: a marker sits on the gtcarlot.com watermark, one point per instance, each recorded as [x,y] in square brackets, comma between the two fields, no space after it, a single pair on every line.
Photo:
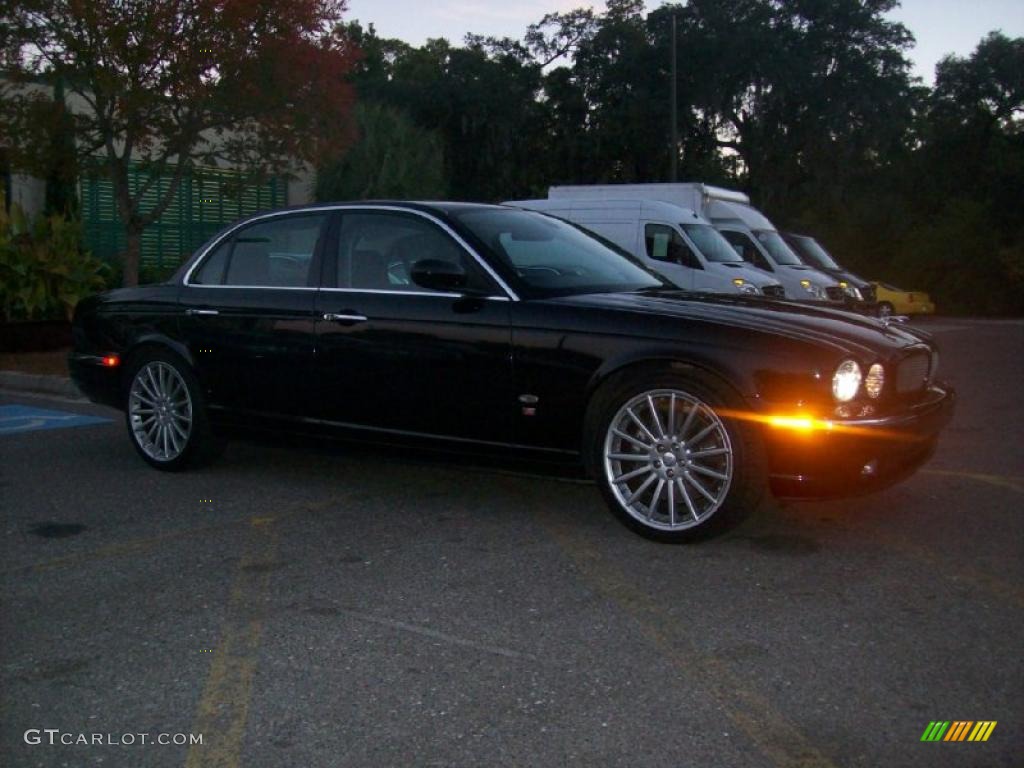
[54,736]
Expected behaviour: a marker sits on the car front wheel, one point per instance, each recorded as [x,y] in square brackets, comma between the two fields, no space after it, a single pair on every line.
[166,412]
[673,459]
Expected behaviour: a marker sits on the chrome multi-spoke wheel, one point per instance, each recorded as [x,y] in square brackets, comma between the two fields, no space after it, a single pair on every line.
[668,459]
[160,411]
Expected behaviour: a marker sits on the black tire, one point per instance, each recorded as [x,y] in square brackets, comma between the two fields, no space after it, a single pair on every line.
[200,445]
[885,309]
[739,496]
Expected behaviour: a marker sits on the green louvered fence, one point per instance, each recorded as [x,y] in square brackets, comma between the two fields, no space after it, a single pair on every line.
[207,200]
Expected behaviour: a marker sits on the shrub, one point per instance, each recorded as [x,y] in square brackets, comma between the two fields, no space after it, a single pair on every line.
[44,272]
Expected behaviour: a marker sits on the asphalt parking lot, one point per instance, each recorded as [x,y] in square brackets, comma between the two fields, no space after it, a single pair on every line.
[341,606]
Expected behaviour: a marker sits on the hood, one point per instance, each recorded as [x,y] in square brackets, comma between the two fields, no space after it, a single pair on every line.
[747,271]
[843,274]
[845,332]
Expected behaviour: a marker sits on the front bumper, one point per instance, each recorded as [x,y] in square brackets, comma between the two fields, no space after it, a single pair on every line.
[858,456]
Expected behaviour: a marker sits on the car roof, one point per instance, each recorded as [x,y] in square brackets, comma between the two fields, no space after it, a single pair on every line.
[434,206]
[642,207]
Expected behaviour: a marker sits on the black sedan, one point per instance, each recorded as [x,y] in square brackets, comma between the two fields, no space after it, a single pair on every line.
[501,330]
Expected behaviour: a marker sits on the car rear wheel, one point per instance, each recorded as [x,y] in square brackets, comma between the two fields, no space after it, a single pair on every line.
[166,412]
[672,459]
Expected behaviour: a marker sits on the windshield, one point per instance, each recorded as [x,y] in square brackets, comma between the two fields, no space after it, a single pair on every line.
[711,243]
[812,251]
[776,246]
[553,258]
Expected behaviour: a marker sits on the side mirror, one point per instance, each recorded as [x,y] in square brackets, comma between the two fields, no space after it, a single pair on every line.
[439,275]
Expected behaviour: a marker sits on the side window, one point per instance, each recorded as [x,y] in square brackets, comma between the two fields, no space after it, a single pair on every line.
[663,243]
[376,251]
[212,270]
[276,253]
[746,249]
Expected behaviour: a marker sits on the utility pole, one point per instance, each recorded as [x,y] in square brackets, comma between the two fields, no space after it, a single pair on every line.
[674,168]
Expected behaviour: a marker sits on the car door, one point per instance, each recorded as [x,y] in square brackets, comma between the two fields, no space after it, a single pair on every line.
[747,249]
[249,314]
[398,357]
[670,255]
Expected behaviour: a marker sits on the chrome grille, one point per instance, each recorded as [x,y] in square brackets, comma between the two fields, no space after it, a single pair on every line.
[835,292]
[774,291]
[913,372]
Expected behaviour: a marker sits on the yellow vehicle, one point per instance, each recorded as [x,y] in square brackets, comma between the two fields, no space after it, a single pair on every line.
[896,301]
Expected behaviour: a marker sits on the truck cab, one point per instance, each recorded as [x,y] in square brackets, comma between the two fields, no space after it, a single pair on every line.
[675,242]
[750,233]
[860,293]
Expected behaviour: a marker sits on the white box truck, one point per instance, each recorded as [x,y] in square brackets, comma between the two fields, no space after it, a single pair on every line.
[753,236]
[672,240]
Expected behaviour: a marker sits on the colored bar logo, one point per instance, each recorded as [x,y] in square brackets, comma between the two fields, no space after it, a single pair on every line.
[958,730]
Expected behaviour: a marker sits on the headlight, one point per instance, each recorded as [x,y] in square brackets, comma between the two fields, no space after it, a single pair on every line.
[744,287]
[846,381]
[853,292]
[815,290]
[875,380]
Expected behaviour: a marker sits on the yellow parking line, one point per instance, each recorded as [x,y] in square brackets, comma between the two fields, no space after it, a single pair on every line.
[224,707]
[1000,481]
[780,741]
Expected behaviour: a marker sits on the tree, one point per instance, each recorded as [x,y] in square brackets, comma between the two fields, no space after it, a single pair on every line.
[167,84]
[989,84]
[480,98]
[62,166]
[393,158]
[804,92]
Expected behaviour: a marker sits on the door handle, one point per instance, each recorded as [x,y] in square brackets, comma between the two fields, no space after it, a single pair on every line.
[201,312]
[347,319]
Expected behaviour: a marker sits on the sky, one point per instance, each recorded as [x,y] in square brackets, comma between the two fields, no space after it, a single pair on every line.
[940,26]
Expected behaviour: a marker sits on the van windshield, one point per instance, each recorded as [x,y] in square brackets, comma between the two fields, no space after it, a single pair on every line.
[551,257]
[812,251]
[776,246]
[711,243]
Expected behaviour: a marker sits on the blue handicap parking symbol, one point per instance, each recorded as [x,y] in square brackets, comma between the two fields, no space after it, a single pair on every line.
[22,418]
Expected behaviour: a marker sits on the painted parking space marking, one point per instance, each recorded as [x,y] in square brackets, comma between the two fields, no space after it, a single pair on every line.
[24,418]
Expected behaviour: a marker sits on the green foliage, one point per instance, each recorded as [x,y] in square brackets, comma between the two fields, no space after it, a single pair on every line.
[43,271]
[393,158]
[481,99]
[261,86]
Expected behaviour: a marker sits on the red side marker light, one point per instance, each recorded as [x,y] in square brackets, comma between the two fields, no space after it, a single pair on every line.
[111,361]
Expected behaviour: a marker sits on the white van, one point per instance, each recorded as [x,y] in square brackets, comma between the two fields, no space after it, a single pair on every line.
[673,241]
[753,236]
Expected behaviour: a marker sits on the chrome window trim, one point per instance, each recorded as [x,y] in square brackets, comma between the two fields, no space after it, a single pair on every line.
[511,295]
[439,294]
[258,287]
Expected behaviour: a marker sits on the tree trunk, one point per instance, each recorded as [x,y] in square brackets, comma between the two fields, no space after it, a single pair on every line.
[131,256]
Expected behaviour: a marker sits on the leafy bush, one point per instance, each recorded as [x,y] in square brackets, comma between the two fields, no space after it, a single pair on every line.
[44,272]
